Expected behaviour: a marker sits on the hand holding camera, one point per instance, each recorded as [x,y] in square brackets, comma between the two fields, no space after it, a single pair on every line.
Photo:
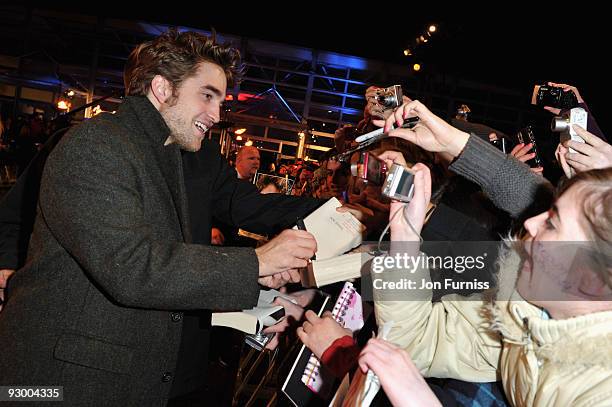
[564,125]
[382,101]
[415,211]
[575,156]
[522,153]
[556,96]
[527,151]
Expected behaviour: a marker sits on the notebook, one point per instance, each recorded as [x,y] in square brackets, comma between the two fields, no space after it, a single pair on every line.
[335,232]
[341,268]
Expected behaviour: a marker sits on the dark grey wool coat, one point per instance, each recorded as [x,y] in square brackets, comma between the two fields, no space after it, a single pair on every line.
[96,307]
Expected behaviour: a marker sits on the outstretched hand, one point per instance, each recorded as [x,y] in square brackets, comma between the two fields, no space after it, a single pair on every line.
[280,258]
[594,153]
[521,153]
[318,333]
[430,133]
[566,88]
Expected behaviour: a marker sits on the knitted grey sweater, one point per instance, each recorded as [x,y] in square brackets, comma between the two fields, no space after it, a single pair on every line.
[509,183]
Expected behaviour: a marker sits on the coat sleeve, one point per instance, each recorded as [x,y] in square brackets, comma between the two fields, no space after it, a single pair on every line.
[92,202]
[12,246]
[446,339]
[509,183]
[239,203]
[18,209]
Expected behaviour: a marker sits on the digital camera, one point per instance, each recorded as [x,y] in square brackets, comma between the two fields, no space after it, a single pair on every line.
[545,95]
[563,124]
[259,340]
[368,167]
[399,184]
[390,98]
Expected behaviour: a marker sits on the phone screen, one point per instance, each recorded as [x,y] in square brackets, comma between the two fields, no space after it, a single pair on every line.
[376,169]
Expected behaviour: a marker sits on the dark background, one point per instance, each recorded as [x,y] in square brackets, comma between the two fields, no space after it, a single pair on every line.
[502,43]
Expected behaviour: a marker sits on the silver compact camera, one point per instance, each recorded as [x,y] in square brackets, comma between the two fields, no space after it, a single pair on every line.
[563,124]
[390,98]
[259,340]
[399,184]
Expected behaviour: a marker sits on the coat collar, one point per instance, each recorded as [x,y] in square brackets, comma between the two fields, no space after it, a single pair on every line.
[156,132]
[560,341]
[552,330]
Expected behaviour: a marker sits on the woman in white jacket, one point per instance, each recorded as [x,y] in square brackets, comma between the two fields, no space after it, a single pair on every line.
[546,332]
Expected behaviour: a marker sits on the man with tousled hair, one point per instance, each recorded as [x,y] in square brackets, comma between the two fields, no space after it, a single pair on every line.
[112,271]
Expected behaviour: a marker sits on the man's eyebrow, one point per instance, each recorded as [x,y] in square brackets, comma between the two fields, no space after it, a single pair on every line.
[212,89]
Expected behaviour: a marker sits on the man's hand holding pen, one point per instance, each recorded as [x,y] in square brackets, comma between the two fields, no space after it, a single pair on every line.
[282,257]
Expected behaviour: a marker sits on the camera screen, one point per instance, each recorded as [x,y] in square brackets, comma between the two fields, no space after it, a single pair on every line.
[404,186]
[367,166]
[376,170]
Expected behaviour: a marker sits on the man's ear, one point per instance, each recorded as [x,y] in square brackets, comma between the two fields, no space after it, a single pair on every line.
[161,89]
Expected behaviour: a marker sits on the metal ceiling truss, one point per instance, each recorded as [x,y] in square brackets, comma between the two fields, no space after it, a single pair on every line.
[324,88]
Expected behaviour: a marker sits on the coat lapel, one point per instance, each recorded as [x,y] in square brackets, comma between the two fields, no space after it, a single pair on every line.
[171,164]
[168,157]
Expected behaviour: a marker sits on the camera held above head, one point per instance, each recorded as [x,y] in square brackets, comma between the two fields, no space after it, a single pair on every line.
[390,98]
[526,136]
[546,95]
[563,124]
[366,140]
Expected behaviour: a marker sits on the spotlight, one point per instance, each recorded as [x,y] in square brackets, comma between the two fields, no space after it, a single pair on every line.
[248,143]
[70,93]
[240,131]
[407,52]
[238,138]
[63,105]
[432,28]
[416,67]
